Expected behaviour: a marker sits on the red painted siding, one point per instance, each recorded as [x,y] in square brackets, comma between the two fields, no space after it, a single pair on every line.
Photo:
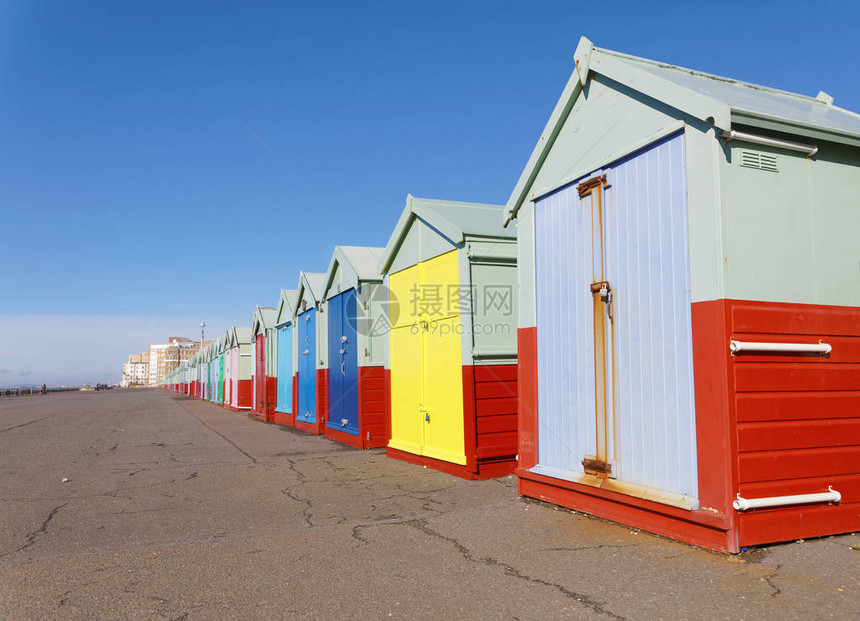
[322,396]
[271,397]
[496,411]
[246,396]
[798,417]
[372,406]
[527,407]
[387,406]
[260,377]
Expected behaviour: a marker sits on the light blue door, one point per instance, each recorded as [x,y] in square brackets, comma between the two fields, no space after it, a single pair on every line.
[285,369]
[614,333]
[307,379]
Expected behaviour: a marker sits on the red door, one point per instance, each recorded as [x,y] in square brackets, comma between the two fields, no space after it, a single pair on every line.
[260,377]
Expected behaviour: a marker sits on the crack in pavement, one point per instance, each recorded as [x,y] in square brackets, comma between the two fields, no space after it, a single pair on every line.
[25,424]
[510,570]
[213,430]
[220,538]
[769,580]
[289,493]
[597,547]
[34,535]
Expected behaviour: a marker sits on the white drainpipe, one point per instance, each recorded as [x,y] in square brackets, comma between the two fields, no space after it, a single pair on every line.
[743,504]
[787,348]
[809,149]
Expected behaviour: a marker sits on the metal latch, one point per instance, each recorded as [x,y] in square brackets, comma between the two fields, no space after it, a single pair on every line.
[591,466]
[604,292]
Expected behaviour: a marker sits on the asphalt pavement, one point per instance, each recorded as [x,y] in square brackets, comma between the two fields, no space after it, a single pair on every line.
[141,504]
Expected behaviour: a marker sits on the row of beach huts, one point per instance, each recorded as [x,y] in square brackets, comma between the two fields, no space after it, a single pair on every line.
[661,327]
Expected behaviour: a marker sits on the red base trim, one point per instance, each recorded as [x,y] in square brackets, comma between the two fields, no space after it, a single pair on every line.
[344,438]
[312,428]
[245,399]
[486,470]
[372,408]
[615,508]
[282,418]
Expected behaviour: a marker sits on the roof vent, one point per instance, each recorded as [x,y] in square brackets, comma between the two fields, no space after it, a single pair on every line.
[759,161]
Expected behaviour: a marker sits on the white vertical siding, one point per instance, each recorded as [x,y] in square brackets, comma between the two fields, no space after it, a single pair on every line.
[564,330]
[647,266]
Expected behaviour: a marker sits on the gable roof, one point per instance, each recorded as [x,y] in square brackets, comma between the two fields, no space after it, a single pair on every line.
[313,283]
[710,98]
[243,335]
[264,318]
[362,262]
[456,220]
[286,307]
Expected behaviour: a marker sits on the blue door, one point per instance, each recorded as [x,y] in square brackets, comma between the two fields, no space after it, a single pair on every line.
[285,369]
[343,363]
[307,366]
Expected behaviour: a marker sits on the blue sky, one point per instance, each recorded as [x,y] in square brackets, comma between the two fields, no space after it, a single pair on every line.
[134,202]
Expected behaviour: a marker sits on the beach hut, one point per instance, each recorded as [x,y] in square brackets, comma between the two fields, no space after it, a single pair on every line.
[213,371]
[219,385]
[311,329]
[233,346]
[450,270]
[227,379]
[689,305]
[198,390]
[243,368]
[285,401]
[192,375]
[262,334]
[356,305]
[207,371]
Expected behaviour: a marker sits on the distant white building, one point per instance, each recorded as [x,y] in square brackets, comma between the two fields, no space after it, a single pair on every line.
[165,357]
[135,372]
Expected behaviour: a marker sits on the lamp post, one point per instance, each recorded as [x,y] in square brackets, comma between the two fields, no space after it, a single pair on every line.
[202,333]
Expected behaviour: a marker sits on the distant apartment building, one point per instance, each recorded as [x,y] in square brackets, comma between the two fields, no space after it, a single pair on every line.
[135,372]
[165,357]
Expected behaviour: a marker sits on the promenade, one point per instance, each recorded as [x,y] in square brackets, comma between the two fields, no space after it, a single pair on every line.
[141,504]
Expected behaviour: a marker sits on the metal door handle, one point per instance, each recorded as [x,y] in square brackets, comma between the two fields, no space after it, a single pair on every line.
[342,369]
[604,291]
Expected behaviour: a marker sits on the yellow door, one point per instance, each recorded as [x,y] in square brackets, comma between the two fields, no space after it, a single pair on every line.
[407,432]
[426,361]
[442,378]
